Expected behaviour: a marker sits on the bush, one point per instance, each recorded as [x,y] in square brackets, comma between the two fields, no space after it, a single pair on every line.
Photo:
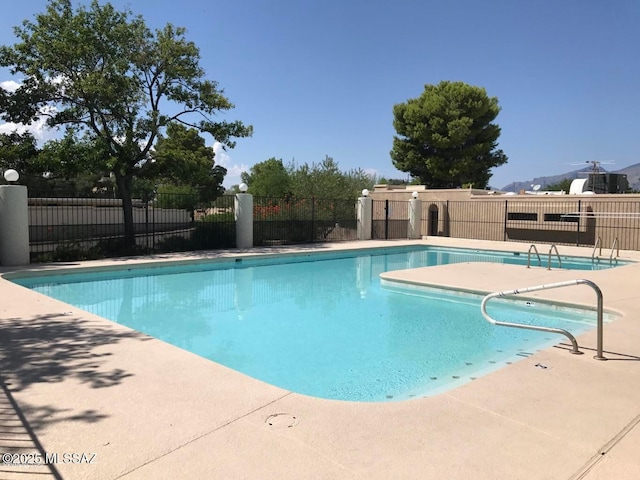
[173,196]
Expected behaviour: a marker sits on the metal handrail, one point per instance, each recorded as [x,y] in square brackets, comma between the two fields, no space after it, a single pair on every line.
[529,256]
[593,254]
[568,283]
[557,254]
[617,247]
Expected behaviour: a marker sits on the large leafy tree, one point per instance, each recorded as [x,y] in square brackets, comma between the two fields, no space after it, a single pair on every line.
[181,158]
[268,179]
[323,179]
[61,167]
[73,166]
[104,74]
[446,137]
[18,151]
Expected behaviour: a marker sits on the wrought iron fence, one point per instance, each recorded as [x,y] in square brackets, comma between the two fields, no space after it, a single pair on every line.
[569,221]
[66,228]
[292,220]
[83,228]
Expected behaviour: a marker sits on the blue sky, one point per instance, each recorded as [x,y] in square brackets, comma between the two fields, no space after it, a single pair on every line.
[321,78]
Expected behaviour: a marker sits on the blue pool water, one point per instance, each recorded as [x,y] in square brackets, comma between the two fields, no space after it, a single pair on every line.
[322,325]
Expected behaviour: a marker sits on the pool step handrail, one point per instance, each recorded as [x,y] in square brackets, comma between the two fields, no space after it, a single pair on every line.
[614,247]
[532,246]
[553,246]
[595,247]
[574,342]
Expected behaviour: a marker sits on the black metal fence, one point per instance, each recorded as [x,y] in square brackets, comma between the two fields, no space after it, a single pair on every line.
[579,222]
[67,228]
[292,220]
[62,229]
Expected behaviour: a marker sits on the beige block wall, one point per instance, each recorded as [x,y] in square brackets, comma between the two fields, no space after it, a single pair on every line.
[480,214]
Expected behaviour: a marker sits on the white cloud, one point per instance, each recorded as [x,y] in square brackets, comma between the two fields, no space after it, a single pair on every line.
[38,129]
[223,159]
[9,85]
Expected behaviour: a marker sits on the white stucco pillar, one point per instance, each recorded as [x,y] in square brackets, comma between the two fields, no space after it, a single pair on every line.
[244,220]
[14,225]
[415,218]
[364,214]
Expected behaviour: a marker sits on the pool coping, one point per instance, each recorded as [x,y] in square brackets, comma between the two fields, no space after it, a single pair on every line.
[148,409]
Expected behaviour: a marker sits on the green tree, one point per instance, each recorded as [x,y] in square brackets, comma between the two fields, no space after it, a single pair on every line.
[326,180]
[564,184]
[18,151]
[268,179]
[181,158]
[102,72]
[446,137]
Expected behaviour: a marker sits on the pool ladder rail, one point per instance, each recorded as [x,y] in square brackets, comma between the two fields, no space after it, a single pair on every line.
[615,248]
[551,249]
[574,342]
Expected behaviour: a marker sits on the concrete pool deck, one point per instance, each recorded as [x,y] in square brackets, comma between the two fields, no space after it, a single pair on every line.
[73,382]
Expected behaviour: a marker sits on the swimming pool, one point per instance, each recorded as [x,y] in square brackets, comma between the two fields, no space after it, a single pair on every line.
[320,324]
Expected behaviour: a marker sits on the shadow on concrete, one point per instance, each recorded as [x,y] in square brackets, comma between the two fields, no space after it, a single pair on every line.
[23,456]
[49,348]
[45,349]
[609,355]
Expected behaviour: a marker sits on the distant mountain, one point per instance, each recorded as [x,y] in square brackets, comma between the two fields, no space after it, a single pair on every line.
[633,175]
[632,172]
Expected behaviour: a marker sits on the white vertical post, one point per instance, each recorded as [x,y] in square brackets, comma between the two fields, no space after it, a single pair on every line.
[415,218]
[244,220]
[14,225]
[365,214]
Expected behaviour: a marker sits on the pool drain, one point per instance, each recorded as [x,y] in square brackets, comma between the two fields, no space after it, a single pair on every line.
[281,420]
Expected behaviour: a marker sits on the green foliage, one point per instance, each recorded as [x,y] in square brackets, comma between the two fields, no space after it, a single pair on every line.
[181,158]
[65,167]
[219,217]
[300,220]
[107,76]
[74,251]
[18,151]
[446,137]
[176,196]
[564,184]
[268,179]
[205,236]
[397,181]
[325,180]
[320,180]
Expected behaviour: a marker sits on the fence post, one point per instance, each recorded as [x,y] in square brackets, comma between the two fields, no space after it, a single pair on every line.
[244,220]
[415,218]
[14,225]
[447,220]
[578,231]
[313,217]
[506,216]
[146,223]
[386,219]
[364,211]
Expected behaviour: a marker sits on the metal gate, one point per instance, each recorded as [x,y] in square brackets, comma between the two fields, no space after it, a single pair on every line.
[390,219]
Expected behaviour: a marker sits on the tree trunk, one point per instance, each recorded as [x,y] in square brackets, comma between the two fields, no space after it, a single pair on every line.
[124,188]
